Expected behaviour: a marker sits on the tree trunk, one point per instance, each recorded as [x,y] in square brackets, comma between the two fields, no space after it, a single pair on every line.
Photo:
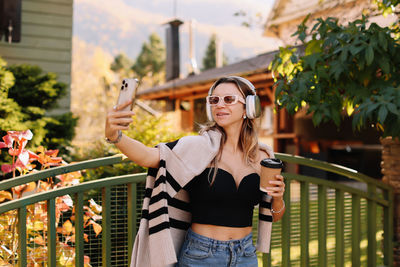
[391,175]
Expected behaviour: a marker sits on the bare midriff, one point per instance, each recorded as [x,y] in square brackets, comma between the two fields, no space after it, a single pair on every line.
[222,233]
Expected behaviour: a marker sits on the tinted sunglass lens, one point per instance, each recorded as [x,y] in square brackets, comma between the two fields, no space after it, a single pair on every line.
[213,100]
[229,99]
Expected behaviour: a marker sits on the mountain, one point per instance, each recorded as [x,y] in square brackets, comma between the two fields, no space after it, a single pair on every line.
[123,25]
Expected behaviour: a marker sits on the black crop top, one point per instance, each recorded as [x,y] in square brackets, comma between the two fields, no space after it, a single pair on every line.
[222,203]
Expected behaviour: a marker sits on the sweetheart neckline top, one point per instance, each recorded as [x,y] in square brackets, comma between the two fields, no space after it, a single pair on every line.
[223,203]
[243,178]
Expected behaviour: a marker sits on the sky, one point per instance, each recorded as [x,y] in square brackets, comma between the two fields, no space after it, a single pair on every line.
[123,25]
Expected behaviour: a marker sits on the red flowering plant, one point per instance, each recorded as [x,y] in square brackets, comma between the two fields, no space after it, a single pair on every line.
[24,162]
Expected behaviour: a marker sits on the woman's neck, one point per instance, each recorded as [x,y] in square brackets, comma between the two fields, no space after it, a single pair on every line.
[232,139]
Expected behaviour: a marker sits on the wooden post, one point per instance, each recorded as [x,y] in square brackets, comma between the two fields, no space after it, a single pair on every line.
[391,175]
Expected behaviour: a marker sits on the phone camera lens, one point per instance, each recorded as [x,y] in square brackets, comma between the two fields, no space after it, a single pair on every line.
[122,87]
[123,81]
[126,85]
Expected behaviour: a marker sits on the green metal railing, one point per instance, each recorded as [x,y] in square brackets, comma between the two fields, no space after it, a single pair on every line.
[300,213]
[376,194]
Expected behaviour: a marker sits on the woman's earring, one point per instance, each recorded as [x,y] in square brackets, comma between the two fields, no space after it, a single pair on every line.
[244,116]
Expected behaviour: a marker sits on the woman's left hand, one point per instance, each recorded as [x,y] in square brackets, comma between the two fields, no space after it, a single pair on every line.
[277,188]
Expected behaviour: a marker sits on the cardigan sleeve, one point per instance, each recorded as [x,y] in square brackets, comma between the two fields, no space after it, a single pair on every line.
[264,224]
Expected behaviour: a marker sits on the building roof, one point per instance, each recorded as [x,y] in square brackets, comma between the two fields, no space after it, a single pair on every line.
[286,11]
[249,66]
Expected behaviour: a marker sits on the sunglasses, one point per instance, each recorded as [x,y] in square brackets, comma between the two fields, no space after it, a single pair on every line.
[214,100]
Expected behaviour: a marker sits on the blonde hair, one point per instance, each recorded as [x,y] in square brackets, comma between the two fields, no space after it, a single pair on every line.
[248,138]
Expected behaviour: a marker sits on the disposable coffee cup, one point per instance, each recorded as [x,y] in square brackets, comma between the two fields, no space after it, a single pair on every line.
[269,168]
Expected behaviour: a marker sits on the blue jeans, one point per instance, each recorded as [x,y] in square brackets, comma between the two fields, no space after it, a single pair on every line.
[201,251]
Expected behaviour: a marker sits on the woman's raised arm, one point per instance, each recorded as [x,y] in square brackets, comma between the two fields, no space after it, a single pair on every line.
[118,120]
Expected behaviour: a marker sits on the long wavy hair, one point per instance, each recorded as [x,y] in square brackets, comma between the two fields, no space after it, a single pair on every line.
[248,138]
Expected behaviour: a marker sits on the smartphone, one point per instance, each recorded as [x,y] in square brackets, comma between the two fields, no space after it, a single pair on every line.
[127,92]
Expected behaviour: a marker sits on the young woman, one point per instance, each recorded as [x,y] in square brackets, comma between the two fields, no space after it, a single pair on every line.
[201,190]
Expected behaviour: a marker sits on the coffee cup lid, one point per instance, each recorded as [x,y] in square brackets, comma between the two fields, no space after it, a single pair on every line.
[272,163]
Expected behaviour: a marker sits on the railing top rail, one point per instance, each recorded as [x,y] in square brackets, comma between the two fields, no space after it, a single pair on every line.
[106,182]
[337,186]
[341,170]
[87,164]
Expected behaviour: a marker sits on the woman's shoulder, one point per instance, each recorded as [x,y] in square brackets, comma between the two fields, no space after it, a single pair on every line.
[209,140]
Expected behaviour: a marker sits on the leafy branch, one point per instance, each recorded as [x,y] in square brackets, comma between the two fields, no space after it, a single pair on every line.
[339,70]
[24,162]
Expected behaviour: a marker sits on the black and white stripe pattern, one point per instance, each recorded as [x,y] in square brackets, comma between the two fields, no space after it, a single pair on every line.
[166,212]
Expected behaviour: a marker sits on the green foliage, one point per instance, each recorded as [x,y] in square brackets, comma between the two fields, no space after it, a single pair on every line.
[145,128]
[151,60]
[386,6]
[209,59]
[33,88]
[26,94]
[61,130]
[122,64]
[353,69]
[10,112]
[7,79]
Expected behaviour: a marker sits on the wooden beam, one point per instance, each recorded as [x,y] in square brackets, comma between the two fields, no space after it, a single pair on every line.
[260,80]
[197,96]
[259,76]
[177,92]
[284,135]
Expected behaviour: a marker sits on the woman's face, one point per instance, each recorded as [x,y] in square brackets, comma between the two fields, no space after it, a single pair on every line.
[228,115]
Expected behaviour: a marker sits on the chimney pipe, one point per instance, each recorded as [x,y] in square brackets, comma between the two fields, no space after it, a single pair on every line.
[173,58]
[193,63]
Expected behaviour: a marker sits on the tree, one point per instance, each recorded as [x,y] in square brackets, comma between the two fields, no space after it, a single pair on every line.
[209,59]
[26,94]
[122,65]
[353,70]
[150,63]
[10,112]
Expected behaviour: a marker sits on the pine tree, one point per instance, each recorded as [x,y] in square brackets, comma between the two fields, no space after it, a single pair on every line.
[26,93]
[209,59]
[151,60]
[122,65]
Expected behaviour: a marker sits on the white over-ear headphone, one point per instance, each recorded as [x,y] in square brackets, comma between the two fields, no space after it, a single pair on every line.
[253,106]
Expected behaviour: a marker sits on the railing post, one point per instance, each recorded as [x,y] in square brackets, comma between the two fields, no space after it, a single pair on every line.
[51,233]
[388,229]
[304,223]
[106,225]
[266,259]
[285,231]
[371,226]
[79,249]
[22,237]
[132,217]
[356,231]
[322,214]
[339,227]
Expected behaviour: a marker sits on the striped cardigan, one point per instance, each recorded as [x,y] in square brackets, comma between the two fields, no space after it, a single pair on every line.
[165,213]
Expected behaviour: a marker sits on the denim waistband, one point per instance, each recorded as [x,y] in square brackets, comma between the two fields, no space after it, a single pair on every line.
[194,237]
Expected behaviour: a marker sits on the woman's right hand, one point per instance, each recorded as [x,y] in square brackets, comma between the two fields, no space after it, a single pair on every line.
[118,120]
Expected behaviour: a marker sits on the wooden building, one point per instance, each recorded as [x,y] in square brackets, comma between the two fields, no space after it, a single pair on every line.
[44,37]
[296,134]
[185,98]
[286,15]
